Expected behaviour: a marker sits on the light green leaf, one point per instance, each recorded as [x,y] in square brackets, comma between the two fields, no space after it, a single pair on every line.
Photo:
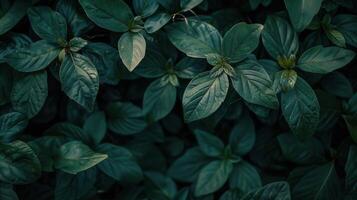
[132,48]
[254,85]
[35,57]
[241,40]
[209,144]
[279,39]
[301,109]
[204,95]
[125,118]
[75,157]
[301,12]
[77,43]
[18,163]
[195,38]
[114,15]
[244,177]
[79,79]
[120,165]
[29,94]
[212,177]
[323,60]
[48,24]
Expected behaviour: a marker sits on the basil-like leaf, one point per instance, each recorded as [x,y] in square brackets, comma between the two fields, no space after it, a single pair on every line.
[195,38]
[145,8]
[13,15]
[75,157]
[79,79]
[156,22]
[12,124]
[204,95]
[242,136]
[209,144]
[346,24]
[132,48]
[114,15]
[323,60]
[244,177]
[275,190]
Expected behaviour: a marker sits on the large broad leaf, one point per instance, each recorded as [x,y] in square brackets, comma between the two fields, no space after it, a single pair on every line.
[18,163]
[159,99]
[301,12]
[241,40]
[321,59]
[242,136]
[254,85]
[69,186]
[48,24]
[244,177]
[188,68]
[120,165]
[71,11]
[279,39]
[301,152]
[145,8]
[125,118]
[204,95]
[12,124]
[212,177]
[196,39]
[75,157]
[79,79]
[272,191]
[187,167]
[114,15]
[14,14]
[29,94]
[319,183]
[7,192]
[301,109]
[351,169]
[35,57]
[209,144]
[132,48]
[347,25]
[152,66]
[70,131]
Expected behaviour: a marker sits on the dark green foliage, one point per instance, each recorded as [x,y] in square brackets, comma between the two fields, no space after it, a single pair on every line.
[178,99]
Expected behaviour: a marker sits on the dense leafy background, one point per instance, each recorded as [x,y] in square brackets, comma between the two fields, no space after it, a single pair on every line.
[178,99]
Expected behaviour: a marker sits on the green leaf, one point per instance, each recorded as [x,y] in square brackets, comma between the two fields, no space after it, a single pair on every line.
[152,66]
[159,99]
[13,15]
[7,192]
[159,186]
[77,43]
[346,24]
[120,165]
[35,57]
[132,48]
[301,152]
[114,15]
[244,177]
[79,79]
[254,85]
[195,38]
[301,12]
[323,60]
[336,37]
[125,118]
[209,144]
[272,191]
[204,95]
[320,183]
[75,157]
[279,39]
[69,130]
[145,8]
[188,68]
[18,163]
[186,168]
[286,79]
[240,41]
[11,124]
[189,4]
[212,177]
[48,24]
[337,84]
[156,22]
[96,126]
[29,94]
[242,136]
[301,109]
[351,169]
[69,186]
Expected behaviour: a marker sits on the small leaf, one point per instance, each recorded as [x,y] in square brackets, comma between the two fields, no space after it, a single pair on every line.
[132,48]
[75,157]
[272,191]
[145,8]
[209,144]
[12,124]
[323,60]
[242,136]
[77,43]
[204,95]
[156,22]
[96,126]
[244,177]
